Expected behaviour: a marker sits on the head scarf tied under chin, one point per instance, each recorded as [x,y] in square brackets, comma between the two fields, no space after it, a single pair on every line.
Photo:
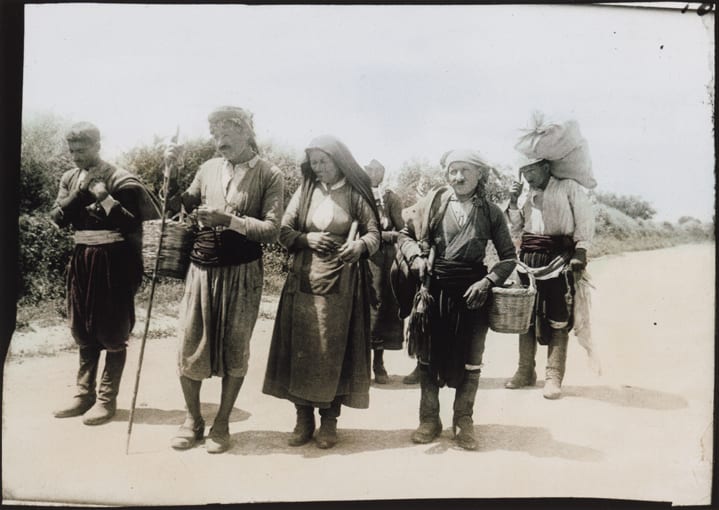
[473,157]
[346,164]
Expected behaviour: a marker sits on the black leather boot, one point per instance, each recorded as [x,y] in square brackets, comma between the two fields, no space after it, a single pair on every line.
[327,435]
[106,404]
[430,425]
[526,375]
[85,391]
[556,364]
[305,426]
[462,424]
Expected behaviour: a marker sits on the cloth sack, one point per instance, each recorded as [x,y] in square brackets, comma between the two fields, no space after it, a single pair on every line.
[563,145]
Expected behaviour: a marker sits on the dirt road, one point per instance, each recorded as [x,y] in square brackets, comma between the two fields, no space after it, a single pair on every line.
[643,430]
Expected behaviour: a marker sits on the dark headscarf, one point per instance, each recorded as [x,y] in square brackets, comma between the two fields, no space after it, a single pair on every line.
[346,164]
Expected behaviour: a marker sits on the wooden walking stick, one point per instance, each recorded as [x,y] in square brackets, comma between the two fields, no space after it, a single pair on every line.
[165,189]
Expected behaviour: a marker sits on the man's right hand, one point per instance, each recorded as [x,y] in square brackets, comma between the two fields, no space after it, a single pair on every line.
[172,154]
[514,191]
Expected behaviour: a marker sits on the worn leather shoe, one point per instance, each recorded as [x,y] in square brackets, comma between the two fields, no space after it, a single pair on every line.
[189,434]
[427,432]
[77,407]
[464,433]
[302,433]
[218,440]
[552,389]
[100,413]
[520,379]
[327,435]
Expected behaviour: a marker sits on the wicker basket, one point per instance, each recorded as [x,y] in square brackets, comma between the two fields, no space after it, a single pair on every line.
[511,307]
[176,245]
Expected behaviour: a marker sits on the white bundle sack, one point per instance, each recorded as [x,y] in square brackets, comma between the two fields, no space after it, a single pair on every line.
[563,145]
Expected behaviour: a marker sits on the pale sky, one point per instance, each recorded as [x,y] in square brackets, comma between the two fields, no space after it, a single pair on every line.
[396,82]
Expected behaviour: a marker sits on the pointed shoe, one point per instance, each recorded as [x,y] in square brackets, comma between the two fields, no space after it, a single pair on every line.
[552,389]
[100,413]
[188,435]
[77,407]
[218,440]
[521,380]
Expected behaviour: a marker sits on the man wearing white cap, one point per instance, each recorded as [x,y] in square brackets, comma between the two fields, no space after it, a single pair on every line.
[556,224]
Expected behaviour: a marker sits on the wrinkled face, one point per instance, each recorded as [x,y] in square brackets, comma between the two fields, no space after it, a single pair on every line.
[537,174]
[231,139]
[463,177]
[84,154]
[376,175]
[323,166]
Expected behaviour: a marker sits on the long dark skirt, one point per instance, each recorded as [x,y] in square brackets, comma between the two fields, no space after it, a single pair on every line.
[102,282]
[320,344]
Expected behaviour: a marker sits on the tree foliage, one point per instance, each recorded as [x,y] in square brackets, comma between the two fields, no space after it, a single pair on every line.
[147,161]
[43,159]
[631,205]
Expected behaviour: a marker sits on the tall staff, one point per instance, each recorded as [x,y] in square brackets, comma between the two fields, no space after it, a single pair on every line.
[165,186]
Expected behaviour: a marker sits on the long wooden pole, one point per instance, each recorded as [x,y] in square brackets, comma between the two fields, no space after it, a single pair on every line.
[165,188]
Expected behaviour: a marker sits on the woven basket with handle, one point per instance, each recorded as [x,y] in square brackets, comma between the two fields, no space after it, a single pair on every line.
[511,308]
[176,246]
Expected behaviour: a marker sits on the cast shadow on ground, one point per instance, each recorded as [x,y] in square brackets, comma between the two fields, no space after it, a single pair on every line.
[395,383]
[535,441]
[151,416]
[628,396]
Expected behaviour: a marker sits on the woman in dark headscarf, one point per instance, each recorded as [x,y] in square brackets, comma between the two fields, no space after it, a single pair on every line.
[457,221]
[320,351]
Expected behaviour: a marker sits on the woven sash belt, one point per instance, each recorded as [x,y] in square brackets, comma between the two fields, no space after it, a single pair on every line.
[97,237]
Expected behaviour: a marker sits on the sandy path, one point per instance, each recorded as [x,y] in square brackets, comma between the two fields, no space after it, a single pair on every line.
[641,431]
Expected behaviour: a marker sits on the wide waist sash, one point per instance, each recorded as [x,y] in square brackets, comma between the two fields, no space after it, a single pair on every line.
[455,275]
[97,237]
[223,247]
[532,243]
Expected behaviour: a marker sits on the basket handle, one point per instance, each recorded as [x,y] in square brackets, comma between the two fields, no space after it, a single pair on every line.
[181,215]
[528,270]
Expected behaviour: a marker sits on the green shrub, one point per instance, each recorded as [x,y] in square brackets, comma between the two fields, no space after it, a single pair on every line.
[631,205]
[43,159]
[44,252]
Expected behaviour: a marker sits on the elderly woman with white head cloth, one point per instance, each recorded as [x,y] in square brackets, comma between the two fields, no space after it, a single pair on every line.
[456,221]
[320,351]
[238,197]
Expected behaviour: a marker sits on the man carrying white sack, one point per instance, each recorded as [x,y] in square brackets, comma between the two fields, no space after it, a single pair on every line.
[556,222]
